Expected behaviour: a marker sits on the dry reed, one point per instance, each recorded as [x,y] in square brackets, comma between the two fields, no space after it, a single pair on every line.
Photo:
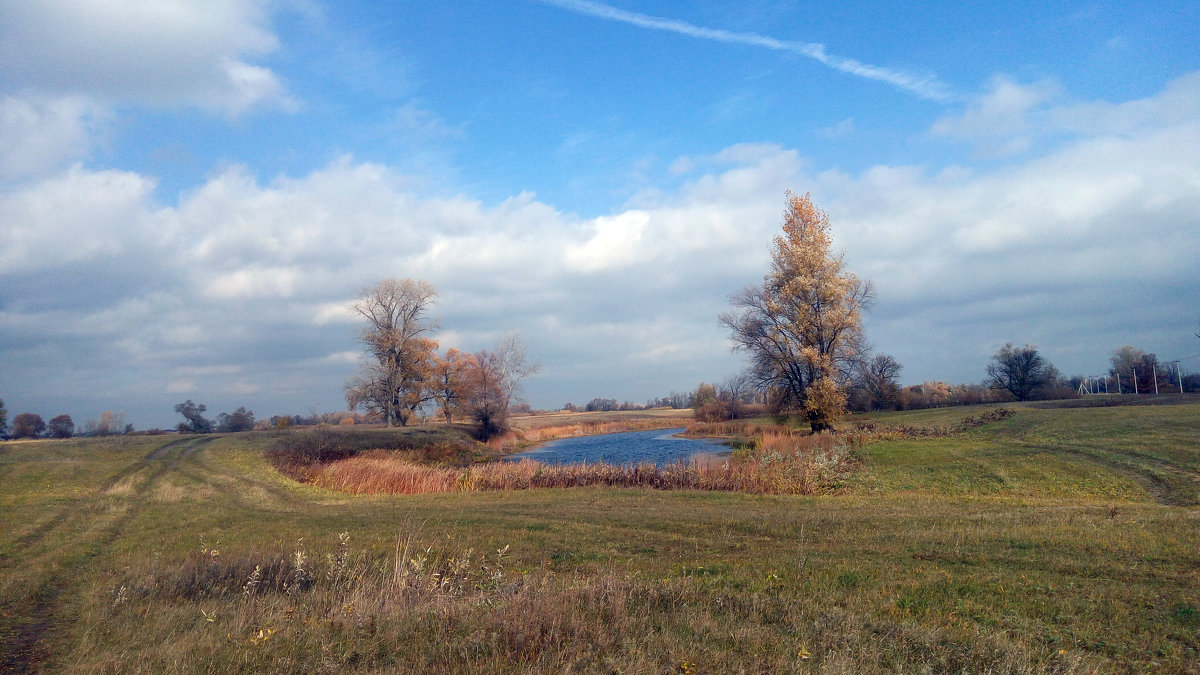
[526,437]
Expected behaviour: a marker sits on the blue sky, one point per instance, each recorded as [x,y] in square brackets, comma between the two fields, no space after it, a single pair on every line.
[191,193]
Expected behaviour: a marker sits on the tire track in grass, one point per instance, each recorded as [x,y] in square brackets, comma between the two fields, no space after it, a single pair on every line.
[1141,468]
[58,520]
[24,650]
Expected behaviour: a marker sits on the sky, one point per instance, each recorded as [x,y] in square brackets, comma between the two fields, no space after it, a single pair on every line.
[192,193]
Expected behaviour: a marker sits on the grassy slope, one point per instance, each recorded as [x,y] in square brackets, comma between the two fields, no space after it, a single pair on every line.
[1056,539]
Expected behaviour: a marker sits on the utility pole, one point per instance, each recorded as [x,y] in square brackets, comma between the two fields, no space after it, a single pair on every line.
[1154,374]
[1179,377]
[1134,371]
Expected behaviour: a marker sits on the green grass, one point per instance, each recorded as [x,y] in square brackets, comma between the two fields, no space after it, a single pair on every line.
[1063,540]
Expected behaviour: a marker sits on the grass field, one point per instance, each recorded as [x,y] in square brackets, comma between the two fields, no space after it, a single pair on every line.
[1056,540]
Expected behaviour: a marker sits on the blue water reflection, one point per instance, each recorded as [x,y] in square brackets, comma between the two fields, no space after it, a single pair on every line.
[660,446]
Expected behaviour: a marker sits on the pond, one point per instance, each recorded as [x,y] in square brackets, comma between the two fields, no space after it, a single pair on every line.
[660,446]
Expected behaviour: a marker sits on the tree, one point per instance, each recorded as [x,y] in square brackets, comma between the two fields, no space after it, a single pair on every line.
[194,414]
[111,423]
[1020,371]
[878,379]
[1137,370]
[734,391]
[28,425]
[239,420]
[447,381]
[491,382]
[3,418]
[62,427]
[706,405]
[395,384]
[803,327]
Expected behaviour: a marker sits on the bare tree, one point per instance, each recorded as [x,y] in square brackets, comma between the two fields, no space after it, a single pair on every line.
[1138,371]
[878,378]
[491,383]
[734,390]
[803,327]
[395,384]
[1020,370]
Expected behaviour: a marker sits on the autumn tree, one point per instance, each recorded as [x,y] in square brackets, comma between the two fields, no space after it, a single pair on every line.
[111,423]
[61,426]
[446,383]
[803,326]
[1020,371]
[706,405]
[395,382]
[28,425]
[491,382]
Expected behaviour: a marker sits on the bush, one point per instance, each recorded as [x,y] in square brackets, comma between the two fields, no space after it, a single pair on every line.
[295,451]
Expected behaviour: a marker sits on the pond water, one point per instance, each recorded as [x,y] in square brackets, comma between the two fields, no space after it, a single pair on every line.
[660,446]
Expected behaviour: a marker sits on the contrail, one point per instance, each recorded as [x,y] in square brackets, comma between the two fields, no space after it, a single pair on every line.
[924,86]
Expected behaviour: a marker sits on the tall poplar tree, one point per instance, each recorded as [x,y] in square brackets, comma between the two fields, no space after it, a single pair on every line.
[803,326]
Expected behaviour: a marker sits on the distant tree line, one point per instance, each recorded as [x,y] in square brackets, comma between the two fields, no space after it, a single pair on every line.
[32,425]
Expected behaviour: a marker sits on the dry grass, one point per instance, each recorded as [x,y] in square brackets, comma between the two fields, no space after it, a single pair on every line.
[1034,544]
[524,437]
[447,609]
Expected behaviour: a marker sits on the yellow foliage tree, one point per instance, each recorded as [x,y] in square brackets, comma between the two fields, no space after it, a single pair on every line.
[803,327]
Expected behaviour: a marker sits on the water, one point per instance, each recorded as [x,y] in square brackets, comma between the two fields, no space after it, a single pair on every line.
[660,446]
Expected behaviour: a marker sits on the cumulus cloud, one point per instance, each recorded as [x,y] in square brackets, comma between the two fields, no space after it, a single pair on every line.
[240,293]
[1010,118]
[169,52]
[39,134]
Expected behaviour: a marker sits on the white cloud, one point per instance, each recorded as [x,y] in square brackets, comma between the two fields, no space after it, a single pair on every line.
[617,242]
[39,134]
[246,285]
[999,119]
[837,131]
[72,217]
[167,52]
[1010,118]
[180,387]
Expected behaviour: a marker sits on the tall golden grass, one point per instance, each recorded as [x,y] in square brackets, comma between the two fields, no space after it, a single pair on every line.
[525,437]
[781,462]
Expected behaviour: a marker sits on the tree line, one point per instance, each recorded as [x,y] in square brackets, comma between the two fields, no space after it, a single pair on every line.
[32,425]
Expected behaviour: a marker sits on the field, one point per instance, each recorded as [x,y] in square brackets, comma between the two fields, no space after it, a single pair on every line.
[1054,540]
